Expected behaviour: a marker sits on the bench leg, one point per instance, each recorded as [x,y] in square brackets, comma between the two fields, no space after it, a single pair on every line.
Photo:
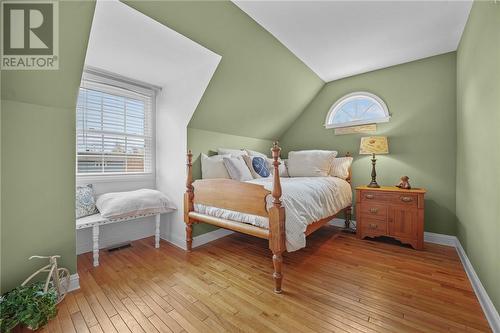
[157,231]
[95,238]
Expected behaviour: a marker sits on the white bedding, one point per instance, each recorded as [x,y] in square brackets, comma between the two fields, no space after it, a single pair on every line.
[306,200]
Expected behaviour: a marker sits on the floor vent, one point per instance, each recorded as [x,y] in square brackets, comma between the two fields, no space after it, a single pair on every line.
[120,246]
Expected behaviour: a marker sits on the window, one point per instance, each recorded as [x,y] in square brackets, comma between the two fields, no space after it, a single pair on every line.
[359,108]
[114,128]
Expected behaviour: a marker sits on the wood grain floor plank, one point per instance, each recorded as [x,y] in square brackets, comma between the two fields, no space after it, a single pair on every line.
[336,284]
[119,324]
[79,322]
[86,310]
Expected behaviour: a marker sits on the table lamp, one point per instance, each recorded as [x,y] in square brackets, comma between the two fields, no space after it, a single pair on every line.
[373,145]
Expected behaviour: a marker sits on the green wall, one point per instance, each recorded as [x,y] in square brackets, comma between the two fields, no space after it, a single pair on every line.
[38,154]
[201,141]
[478,144]
[259,87]
[37,187]
[421,98]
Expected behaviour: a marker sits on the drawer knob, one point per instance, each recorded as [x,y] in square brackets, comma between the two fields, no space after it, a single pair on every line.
[406,199]
[369,196]
[373,210]
[373,226]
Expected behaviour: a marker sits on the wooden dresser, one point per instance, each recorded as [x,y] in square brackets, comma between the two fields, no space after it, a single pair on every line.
[391,211]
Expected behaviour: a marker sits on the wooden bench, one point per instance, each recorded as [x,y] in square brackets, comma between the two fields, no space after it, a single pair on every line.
[96,220]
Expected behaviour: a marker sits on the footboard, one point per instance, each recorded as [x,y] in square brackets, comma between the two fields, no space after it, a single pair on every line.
[231,194]
[241,197]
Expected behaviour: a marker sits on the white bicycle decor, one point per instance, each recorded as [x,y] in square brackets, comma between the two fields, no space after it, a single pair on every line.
[58,278]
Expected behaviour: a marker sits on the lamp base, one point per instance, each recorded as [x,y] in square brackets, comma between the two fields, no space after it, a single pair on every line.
[373,183]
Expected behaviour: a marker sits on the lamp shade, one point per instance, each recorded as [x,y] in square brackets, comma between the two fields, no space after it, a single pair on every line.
[374,145]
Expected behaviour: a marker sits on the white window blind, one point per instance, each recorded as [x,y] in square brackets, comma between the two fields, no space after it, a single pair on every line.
[114,129]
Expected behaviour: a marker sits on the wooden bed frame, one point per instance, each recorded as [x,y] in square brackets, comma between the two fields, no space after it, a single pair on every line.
[250,199]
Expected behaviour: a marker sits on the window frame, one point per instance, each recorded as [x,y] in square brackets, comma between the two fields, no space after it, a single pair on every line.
[346,98]
[93,78]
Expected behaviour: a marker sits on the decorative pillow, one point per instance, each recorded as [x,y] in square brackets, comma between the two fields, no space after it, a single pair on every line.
[258,166]
[120,205]
[283,169]
[213,167]
[255,153]
[310,163]
[85,202]
[232,152]
[237,168]
[340,167]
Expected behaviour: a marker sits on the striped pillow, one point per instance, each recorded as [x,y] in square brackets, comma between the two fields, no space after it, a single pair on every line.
[340,167]
[237,168]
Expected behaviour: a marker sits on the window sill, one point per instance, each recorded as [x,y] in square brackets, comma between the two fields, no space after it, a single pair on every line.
[92,179]
[358,123]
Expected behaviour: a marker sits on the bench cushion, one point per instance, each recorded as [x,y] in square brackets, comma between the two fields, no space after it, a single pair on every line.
[119,205]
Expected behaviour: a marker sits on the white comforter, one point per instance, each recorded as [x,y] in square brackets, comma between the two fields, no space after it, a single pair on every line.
[306,200]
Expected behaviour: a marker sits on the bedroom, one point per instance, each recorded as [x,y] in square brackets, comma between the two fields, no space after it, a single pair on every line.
[242,75]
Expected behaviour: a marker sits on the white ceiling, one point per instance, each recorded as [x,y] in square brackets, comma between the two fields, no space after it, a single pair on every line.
[337,39]
[127,42]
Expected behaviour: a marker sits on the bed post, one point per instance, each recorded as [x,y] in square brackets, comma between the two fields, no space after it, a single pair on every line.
[277,222]
[188,201]
[348,210]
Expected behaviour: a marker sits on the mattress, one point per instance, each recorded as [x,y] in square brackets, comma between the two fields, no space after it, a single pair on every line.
[306,200]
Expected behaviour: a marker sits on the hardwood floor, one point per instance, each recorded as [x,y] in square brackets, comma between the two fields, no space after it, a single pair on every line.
[337,284]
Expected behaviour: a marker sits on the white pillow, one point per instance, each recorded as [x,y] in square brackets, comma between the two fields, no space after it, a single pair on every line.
[310,163]
[237,168]
[232,152]
[340,167]
[213,167]
[283,169]
[256,153]
[120,205]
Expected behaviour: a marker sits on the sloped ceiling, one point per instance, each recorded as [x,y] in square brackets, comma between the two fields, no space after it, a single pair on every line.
[337,39]
[119,29]
[259,88]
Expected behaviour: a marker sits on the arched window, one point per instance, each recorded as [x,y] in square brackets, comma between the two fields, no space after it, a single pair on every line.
[358,108]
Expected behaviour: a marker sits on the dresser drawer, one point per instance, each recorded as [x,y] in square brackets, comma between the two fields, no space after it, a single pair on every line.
[370,209]
[407,199]
[374,227]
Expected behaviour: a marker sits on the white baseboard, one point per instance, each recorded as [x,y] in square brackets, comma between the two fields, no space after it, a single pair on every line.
[198,240]
[180,242]
[431,237]
[489,309]
[74,282]
[210,236]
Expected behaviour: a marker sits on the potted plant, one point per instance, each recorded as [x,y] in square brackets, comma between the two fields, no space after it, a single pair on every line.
[27,305]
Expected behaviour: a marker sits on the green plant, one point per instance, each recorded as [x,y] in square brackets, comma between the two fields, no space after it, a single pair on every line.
[28,306]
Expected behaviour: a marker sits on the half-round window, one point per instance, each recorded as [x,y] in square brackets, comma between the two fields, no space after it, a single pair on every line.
[359,108]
